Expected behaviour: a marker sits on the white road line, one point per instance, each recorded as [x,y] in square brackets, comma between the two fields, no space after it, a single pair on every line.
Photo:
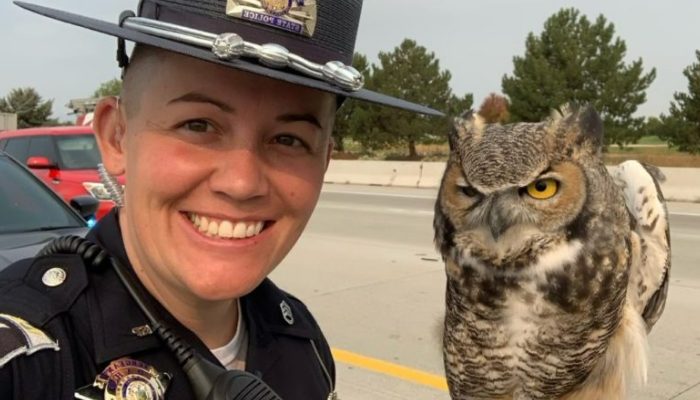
[380,210]
[683,214]
[406,196]
[688,236]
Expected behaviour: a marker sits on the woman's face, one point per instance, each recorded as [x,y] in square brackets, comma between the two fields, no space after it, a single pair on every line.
[223,171]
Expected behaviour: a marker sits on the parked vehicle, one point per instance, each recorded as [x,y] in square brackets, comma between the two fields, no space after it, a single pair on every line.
[64,157]
[31,214]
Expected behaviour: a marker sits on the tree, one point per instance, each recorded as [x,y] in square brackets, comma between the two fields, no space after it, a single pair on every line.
[412,73]
[574,60]
[494,109]
[682,126]
[30,108]
[353,115]
[112,87]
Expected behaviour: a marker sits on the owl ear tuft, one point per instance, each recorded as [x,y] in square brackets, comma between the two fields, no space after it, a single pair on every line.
[584,117]
[467,127]
[591,124]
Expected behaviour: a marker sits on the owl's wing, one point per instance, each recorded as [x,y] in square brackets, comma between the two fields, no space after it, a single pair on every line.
[651,240]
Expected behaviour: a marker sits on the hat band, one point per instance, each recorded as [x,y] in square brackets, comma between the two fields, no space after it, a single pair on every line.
[229,46]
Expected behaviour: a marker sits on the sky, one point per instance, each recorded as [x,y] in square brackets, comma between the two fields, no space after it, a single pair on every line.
[475,40]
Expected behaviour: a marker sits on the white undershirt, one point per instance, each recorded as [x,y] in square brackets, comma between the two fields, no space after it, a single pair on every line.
[233,354]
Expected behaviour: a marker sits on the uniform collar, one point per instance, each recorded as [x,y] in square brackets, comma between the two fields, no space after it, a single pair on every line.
[269,312]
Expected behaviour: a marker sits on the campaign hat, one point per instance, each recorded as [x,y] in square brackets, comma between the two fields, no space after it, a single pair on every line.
[304,42]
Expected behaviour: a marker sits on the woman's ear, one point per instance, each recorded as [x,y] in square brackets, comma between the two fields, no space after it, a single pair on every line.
[110,125]
[329,151]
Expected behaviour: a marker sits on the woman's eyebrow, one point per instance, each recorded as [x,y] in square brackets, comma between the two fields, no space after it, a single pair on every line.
[197,97]
[304,117]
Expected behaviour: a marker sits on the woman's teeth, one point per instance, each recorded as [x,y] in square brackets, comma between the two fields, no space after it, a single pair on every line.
[225,229]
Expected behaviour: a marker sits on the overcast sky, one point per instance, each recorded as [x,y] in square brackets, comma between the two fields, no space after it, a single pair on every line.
[474,40]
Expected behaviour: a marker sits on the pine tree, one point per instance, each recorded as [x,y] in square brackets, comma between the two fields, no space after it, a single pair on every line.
[682,126]
[574,60]
[30,108]
[412,73]
[353,115]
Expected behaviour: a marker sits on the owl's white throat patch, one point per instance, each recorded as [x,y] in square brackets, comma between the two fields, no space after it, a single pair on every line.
[556,258]
[553,257]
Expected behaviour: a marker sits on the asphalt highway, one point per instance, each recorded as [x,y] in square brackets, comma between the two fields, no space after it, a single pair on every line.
[367,268]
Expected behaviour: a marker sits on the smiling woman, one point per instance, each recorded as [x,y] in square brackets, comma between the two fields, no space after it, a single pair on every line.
[239,148]
[225,159]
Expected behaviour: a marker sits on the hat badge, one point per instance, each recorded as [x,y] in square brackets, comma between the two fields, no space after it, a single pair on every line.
[294,16]
[278,7]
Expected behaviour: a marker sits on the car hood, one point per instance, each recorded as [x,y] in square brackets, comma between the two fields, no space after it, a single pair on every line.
[16,246]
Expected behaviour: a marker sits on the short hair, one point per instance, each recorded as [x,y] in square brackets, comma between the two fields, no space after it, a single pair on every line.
[139,67]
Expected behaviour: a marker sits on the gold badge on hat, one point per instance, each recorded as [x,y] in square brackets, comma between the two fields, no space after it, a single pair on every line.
[127,379]
[296,16]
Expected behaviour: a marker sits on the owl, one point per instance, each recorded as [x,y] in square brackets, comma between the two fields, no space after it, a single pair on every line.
[556,268]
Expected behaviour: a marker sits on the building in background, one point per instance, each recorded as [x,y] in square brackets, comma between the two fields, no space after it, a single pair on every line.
[83,110]
[8,121]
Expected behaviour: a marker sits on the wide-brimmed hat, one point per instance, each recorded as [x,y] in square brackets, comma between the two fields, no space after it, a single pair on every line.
[305,42]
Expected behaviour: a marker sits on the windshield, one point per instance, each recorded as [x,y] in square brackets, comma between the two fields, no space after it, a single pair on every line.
[26,205]
[78,151]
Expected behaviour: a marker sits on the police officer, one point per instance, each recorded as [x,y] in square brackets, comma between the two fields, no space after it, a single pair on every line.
[223,131]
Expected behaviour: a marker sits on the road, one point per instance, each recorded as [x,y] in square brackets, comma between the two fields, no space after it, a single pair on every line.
[367,268]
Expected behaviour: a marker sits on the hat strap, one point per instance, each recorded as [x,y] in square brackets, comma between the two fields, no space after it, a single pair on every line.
[228,46]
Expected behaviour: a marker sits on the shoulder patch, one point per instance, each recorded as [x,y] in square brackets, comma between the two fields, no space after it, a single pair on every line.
[18,337]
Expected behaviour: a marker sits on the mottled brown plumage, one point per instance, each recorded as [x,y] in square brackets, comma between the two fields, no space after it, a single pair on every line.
[540,246]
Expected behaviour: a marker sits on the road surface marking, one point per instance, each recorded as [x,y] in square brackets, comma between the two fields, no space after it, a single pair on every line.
[407,196]
[391,369]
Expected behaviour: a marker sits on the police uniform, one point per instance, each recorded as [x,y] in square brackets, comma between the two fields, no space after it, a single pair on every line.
[62,324]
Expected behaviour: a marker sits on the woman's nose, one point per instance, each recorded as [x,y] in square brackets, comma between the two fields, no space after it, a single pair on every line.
[241,175]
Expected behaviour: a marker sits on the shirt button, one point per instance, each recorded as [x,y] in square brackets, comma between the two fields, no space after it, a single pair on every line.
[54,277]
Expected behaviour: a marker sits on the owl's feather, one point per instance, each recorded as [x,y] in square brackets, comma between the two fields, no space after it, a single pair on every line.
[649,275]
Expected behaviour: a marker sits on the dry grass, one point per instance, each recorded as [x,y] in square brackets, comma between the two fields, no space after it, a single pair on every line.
[660,156]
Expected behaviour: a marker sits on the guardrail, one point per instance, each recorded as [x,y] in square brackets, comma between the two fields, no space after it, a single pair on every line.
[682,184]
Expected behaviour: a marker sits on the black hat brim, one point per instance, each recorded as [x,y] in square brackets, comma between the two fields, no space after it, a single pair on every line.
[206,55]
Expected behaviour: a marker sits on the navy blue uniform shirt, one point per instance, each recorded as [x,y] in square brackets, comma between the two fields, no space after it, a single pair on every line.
[89,320]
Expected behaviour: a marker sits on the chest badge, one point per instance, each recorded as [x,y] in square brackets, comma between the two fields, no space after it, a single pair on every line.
[127,379]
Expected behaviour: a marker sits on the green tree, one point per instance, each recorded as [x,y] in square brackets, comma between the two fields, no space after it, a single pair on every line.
[353,116]
[30,108]
[682,126]
[112,87]
[412,73]
[576,60]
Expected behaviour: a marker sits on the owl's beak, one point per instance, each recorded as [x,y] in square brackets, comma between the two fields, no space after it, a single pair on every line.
[497,224]
[499,215]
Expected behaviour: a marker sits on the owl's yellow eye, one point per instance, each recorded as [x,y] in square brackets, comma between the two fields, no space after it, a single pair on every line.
[543,189]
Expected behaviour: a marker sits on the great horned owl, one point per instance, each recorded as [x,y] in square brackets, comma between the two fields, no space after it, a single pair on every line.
[556,270]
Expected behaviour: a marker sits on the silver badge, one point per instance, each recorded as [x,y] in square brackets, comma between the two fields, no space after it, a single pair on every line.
[127,379]
[296,16]
[287,313]
[54,277]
